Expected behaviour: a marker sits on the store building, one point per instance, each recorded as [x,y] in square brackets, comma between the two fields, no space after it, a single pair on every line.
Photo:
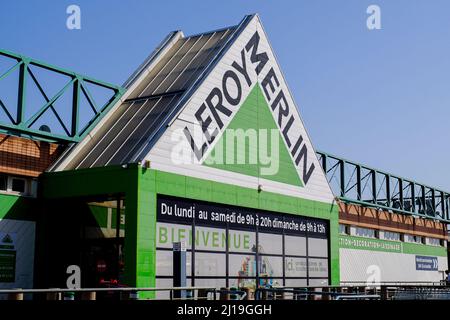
[205,146]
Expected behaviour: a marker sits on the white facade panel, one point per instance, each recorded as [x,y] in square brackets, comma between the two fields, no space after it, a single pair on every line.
[377,266]
[23,242]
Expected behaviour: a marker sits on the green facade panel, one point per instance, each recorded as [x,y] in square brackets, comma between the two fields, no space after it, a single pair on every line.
[361,243]
[140,187]
[15,207]
[198,189]
[254,115]
[334,248]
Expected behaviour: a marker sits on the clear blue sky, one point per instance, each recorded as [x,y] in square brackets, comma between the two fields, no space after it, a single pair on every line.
[379,97]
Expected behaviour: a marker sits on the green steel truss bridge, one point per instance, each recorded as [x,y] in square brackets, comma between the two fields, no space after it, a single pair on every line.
[72,104]
[36,94]
[356,183]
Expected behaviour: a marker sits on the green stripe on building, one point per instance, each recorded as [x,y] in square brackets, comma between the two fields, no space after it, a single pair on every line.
[360,243]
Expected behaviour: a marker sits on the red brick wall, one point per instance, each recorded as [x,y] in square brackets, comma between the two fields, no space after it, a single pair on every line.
[20,156]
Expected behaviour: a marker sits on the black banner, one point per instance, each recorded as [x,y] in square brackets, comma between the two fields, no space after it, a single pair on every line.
[187,211]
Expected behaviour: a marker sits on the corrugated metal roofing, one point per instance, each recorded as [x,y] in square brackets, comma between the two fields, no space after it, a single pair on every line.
[124,135]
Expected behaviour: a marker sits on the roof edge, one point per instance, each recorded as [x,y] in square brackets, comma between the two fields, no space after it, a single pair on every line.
[170,118]
[144,65]
[164,46]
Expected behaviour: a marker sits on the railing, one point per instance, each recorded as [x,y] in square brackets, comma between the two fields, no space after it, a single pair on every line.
[359,297]
[317,293]
[394,283]
[63,114]
[421,293]
[126,293]
[359,184]
[362,292]
[342,292]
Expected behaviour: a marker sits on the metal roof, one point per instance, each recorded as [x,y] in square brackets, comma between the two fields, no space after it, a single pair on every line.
[155,92]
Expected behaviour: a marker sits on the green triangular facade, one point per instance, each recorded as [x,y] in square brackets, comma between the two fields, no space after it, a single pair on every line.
[255,114]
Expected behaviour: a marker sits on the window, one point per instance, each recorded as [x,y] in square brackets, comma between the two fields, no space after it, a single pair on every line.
[3,182]
[18,185]
[413,239]
[210,264]
[317,247]
[364,232]
[391,236]
[270,243]
[434,242]
[282,249]
[344,229]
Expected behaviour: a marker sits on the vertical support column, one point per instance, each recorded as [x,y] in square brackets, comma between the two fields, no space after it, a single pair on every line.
[118,238]
[433,201]
[342,178]
[334,246]
[374,186]
[75,107]
[22,92]
[358,182]
[179,269]
[257,264]
[400,190]
[424,202]
[388,190]
[130,246]
[447,207]
[140,231]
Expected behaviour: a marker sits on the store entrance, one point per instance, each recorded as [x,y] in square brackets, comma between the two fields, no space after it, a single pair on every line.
[87,233]
[102,247]
[102,262]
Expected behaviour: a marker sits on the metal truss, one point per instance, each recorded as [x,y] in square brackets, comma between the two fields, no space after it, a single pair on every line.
[352,182]
[18,120]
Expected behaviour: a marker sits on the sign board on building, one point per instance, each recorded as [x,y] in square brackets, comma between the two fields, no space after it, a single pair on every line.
[425,263]
[238,244]
[241,126]
[7,257]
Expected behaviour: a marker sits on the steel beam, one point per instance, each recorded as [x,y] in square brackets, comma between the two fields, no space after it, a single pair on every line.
[22,125]
[422,197]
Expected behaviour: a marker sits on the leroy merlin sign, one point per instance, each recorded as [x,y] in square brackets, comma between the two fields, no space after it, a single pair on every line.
[248,124]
